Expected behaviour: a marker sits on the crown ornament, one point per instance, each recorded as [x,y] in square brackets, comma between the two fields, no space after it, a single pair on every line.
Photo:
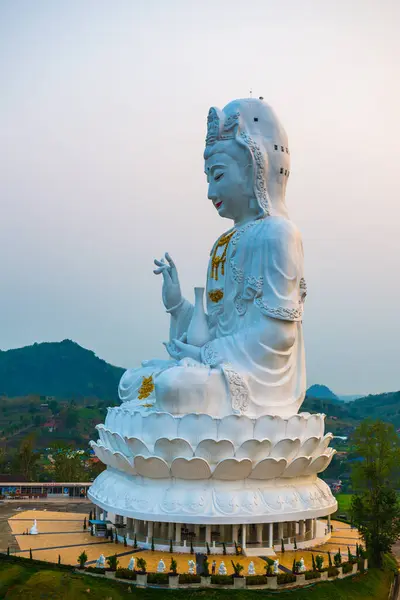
[217,132]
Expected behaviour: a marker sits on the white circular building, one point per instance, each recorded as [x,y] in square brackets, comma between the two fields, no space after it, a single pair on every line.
[208,447]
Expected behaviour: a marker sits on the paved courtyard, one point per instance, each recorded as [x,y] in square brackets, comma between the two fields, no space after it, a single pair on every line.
[61,534]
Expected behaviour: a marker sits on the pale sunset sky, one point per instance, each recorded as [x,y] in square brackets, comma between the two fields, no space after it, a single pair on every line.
[103,111]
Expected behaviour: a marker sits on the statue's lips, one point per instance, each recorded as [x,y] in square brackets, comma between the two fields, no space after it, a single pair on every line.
[218,204]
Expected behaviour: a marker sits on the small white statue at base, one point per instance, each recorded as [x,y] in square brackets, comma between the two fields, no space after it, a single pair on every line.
[34,529]
[161,566]
[251,570]
[101,562]
[192,565]
[131,564]
[222,569]
[276,567]
[302,567]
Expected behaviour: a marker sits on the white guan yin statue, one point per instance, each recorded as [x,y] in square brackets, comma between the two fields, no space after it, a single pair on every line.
[213,434]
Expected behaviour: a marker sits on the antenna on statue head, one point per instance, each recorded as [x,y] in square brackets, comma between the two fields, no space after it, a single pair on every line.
[251,93]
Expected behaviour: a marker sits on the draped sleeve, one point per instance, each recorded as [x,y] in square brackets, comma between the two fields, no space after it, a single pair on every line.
[266,270]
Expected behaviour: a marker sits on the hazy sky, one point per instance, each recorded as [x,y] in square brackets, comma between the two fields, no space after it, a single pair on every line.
[103,110]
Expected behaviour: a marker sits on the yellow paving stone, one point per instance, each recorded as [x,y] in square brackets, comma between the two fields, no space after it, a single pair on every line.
[46,526]
[49,514]
[69,556]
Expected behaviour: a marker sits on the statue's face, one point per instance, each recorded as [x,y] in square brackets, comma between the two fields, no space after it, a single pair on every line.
[230,184]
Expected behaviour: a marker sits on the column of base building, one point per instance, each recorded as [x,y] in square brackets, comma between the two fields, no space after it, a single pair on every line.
[183,537]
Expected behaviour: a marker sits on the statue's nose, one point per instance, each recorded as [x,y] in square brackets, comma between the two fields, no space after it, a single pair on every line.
[211,193]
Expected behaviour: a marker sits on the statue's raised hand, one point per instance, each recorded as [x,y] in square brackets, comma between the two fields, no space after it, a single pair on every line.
[171,290]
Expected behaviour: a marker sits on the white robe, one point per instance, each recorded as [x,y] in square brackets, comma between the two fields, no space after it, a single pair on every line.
[254,363]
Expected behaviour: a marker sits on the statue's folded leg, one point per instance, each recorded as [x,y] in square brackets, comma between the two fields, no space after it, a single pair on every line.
[193,389]
[132,380]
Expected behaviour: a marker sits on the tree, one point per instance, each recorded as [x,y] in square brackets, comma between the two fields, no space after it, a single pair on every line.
[82,558]
[113,562]
[69,464]
[375,509]
[173,567]
[26,457]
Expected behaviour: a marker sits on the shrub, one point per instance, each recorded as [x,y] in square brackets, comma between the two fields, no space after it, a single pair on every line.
[319,562]
[135,542]
[59,560]
[141,565]
[91,516]
[40,563]
[170,546]
[125,542]
[30,553]
[312,575]
[206,568]
[208,549]
[282,546]
[256,580]
[330,559]
[236,549]
[222,579]
[333,572]
[191,547]
[237,568]
[349,554]
[347,567]
[126,574]
[98,570]
[173,567]
[158,578]
[224,548]
[187,578]
[116,536]
[286,578]
[294,567]
[294,544]
[314,566]
[91,530]
[84,523]
[337,559]
[152,544]
[82,558]
[113,562]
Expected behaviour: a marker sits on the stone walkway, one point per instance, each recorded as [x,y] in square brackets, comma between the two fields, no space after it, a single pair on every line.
[61,533]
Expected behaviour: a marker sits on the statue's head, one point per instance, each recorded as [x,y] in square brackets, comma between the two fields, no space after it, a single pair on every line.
[247,160]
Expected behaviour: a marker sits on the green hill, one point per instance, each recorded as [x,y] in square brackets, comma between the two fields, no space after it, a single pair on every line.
[61,369]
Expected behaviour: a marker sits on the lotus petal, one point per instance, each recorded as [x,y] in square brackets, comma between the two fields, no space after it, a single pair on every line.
[153,467]
[269,468]
[111,419]
[108,439]
[118,443]
[319,464]
[213,452]
[192,468]
[194,428]
[232,469]
[269,427]
[125,423]
[297,467]
[156,426]
[170,449]
[286,449]
[134,425]
[326,440]
[236,428]
[254,450]
[316,425]
[296,427]
[309,446]
[123,464]
[136,447]
[102,435]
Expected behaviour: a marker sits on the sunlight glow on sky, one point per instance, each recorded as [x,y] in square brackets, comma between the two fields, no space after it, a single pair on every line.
[102,124]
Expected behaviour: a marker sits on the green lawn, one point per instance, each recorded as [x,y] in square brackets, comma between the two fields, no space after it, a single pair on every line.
[29,583]
[344,502]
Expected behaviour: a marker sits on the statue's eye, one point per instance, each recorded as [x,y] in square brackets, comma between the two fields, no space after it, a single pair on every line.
[219,176]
